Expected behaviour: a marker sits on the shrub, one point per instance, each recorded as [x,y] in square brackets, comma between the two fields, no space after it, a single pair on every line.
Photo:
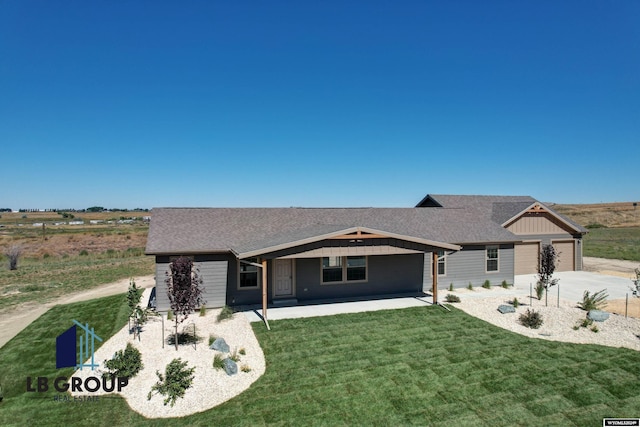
[84,252]
[185,337]
[531,319]
[243,351]
[234,356]
[245,368]
[203,311]
[173,384]
[504,284]
[586,322]
[225,313]
[515,302]
[487,284]
[452,298]
[45,255]
[451,287]
[218,361]
[539,290]
[125,363]
[470,286]
[595,301]
[212,338]
[595,329]
[169,315]
[13,253]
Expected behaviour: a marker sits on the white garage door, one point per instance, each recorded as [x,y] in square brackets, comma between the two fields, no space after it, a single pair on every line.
[526,258]
[566,255]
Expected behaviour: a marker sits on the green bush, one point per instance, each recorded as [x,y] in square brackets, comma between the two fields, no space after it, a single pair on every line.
[234,356]
[504,284]
[451,287]
[245,368]
[169,315]
[225,313]
[217,361]
[203,311]
[539,290]
[243,351]
[184,337]
[84,252]
[470,286]
[515,302]
[452,298]
[125,363]
[487,284]
[595,301]
[531,319]
[174,383]
[212,338]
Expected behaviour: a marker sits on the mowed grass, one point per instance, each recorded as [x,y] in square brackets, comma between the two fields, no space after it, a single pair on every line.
[41,280]
[416,366]
[613,243]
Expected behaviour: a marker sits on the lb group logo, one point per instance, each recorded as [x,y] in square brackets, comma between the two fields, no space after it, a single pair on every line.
[75,348]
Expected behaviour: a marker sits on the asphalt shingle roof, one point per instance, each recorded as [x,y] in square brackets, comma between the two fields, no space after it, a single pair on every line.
[460,220]
[201,230]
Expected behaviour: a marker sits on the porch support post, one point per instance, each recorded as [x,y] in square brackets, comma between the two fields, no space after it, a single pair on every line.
[264,293]
[434,273]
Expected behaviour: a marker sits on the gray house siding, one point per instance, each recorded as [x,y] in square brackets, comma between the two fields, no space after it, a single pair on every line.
[469,266]
[214,271]
[237,296]
[387,274]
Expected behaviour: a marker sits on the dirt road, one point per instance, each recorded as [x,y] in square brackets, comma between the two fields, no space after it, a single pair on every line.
[14,321]
[612,267]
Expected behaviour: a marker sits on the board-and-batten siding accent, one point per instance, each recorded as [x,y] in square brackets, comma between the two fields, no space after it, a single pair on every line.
[537,224]
[214,282]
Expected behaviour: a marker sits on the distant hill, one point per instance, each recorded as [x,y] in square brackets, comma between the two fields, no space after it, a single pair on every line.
[622,214]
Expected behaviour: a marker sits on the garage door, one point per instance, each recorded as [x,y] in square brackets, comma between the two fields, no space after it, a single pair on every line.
[526,258]
[566,255]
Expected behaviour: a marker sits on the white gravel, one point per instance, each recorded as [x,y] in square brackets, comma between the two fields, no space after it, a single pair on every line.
[558,322]
[210,387]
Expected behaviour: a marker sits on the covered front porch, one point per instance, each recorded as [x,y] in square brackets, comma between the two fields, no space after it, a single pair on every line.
[354,264]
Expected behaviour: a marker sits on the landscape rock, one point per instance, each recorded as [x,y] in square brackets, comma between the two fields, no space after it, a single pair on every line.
[598,315]
[220,345]
[230,367]
[504,308]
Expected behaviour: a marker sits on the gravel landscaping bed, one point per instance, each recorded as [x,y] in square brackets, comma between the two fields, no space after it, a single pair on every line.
[617,331]
[210,387]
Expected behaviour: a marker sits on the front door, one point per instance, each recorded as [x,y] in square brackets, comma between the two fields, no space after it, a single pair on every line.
[283,277]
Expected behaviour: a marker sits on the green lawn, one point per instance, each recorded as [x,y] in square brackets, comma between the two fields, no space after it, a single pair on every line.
[421,366]
[613,243]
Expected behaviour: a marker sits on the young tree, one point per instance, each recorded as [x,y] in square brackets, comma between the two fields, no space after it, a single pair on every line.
[636,284]
[183,289]
[138,314]
[13,253]
[546,268]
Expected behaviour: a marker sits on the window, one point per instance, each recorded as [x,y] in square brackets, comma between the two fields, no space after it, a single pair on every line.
[249,275]
[492,258]
[337,269]
[442,264]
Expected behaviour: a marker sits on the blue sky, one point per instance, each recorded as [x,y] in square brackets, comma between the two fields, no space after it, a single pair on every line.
[333,103]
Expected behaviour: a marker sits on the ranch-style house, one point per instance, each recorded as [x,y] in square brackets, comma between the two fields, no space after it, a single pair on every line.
[306,254]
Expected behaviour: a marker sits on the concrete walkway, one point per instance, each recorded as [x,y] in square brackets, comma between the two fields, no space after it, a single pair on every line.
[572,284]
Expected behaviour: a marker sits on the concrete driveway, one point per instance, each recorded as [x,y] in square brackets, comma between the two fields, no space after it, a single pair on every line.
[572,284]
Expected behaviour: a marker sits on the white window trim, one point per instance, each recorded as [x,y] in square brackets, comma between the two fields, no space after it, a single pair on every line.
[487,259]
[344,272]
[249,288]
[442,258]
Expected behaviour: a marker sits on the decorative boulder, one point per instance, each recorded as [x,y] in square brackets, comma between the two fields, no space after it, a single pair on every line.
[598,315]
[230,367]
[220,345]
[504,308]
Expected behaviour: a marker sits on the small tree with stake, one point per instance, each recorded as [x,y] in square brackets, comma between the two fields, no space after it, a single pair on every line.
[546,268]
[138,314]
[183,289]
